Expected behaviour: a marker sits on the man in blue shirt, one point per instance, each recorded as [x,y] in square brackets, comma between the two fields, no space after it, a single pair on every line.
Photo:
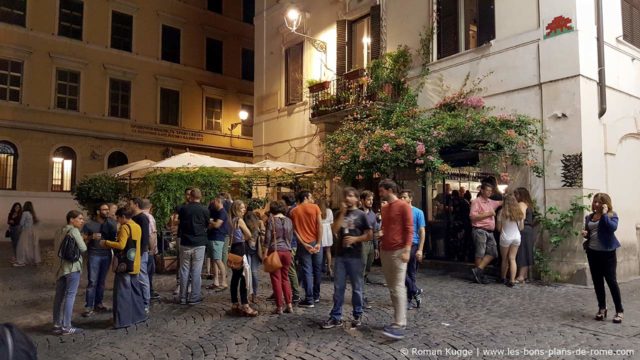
[419,223]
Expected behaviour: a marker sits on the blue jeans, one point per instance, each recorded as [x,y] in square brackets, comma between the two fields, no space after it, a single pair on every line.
[151,269]
[97,270]
[66,289]
[254,262]
[412,269]
[347,267]
[191,260]
[311,265]
[143,278]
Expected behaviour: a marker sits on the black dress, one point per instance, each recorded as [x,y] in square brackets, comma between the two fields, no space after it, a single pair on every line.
[525,251]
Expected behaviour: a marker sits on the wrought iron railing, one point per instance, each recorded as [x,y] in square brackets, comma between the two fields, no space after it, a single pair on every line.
[344,92]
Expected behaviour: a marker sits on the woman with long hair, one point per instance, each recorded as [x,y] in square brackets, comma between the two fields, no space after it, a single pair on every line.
[278,237]
[28,249]
[240,233]
[511,221]
[601,244]
[13,220]
[327,234]
[254,250]
[524,258]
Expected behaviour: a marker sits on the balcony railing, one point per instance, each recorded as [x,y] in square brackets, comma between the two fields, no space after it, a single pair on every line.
[342,93]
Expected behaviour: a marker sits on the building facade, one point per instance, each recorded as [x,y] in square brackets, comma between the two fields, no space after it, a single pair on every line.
[539,58]
[89,85]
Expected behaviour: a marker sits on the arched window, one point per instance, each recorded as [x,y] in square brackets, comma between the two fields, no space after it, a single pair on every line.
[8,165]
[64,169]
[117,158]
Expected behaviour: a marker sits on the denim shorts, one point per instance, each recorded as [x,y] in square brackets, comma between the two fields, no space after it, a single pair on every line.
[218,247]
[484,242]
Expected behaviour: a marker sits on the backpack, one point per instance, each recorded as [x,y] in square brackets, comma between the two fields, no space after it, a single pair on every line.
[69,250]
[15,344]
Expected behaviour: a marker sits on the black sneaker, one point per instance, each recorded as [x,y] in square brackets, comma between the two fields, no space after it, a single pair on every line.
[295,299]
[356,322]
[418,298]
[306,304]
[155,296]
[484,280]
[331,323]
[478,274]
[316,300]
[195,302]
[394,332]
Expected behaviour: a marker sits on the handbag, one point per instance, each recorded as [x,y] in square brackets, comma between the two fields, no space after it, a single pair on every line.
[272,261]
[123,260]
[7,233]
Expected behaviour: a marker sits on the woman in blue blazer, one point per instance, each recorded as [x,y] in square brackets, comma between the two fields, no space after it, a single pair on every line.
[601,245]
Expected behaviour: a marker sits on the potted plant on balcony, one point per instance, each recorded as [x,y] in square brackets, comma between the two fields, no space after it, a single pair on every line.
[354,74]
[315,86]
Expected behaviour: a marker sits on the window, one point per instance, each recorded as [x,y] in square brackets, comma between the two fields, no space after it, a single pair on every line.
[247,125]
[213,114]
[10,80]
[67,89]
[247,64]
[13,12]
[214,56]
[477,18]
[8,165]
[64,169]
[215,6]
[169,107]
[119,98]
[170,44]
[121,31]
[248,11]
[631,22]
[70,19]
[360,43]
[293,74]
[117,158]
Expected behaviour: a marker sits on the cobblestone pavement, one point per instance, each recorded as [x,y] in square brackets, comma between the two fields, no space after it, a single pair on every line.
[459,319]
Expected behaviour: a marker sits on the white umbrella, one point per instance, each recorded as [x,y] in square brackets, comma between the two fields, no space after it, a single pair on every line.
[127,169]
[193,160]
[281,165]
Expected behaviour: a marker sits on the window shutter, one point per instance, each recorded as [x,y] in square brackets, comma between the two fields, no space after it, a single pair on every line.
[376,28]
[631,21]
[293,75]
[341,46]
[447,28]
[486,21]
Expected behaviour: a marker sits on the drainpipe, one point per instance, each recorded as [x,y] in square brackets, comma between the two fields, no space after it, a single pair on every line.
[602,81]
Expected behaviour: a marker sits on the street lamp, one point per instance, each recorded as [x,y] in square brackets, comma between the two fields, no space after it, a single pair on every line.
[293,20]
[243,115]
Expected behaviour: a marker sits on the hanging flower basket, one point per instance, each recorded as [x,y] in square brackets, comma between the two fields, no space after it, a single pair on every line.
[316,88]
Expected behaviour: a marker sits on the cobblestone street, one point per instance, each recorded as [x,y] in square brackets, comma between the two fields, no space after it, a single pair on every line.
[459,319]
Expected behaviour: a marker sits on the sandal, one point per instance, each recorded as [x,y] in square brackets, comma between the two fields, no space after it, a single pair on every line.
[277,311]
[618,318]
[248,311]
[236,309]
[602,314]
[289,309]
[212,287]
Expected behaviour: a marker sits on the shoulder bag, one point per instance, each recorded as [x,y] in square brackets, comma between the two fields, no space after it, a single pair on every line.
[234,261]
[272,261]
[124,259]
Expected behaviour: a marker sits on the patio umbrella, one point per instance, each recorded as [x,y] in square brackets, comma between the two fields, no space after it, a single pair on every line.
[128,169]
[193,160]
[281,165]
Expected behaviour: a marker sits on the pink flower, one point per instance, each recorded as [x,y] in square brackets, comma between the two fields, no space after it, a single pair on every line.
[338,150]
[419,161]
[420,149]
[344,157]
[376,175]
[386,148]
[359,177]
[431,158]
[506,117]
[511,133]
[474,102]
[530,162]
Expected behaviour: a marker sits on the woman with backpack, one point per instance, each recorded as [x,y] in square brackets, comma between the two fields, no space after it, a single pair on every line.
[68,274]
[28,250]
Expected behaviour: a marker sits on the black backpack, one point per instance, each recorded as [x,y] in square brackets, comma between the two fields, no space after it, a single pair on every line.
[15,344]
[69,250]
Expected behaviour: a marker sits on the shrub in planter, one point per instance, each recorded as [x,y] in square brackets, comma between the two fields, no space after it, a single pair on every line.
[91,191]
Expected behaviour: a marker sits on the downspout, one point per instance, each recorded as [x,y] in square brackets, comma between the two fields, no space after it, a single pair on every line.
[602,81]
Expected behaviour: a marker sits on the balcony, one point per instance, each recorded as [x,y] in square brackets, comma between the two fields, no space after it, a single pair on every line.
[331,100]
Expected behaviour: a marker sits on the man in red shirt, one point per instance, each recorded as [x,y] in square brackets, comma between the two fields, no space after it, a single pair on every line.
[307,224]
[482,215]
[395,250]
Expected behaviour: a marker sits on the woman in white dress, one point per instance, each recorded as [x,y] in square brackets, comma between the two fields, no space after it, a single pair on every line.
[327,234]
[28,250]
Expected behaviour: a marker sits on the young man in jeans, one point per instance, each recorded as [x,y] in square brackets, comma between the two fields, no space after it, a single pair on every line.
[482,215]
[307,225]
[419,223]
[99,259]
[141,219]
[194,220]
[369,248]
[353,230]
[395,251]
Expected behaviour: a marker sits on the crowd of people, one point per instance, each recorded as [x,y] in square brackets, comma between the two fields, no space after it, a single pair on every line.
[296,241]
